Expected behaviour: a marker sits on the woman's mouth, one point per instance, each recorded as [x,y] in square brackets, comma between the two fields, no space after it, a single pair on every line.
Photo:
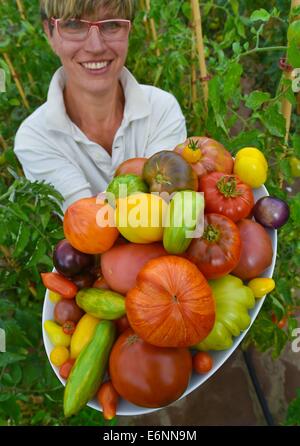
[98,67]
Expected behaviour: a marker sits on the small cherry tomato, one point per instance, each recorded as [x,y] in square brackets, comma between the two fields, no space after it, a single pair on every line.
[108,397]
[295,166]
[69,327]
[202,362]
[54,297]
[59,284]
[192,153]
[59,355]
[66,367]
[261,286]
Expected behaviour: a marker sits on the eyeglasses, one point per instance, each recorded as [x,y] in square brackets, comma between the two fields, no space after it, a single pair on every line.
[112,30]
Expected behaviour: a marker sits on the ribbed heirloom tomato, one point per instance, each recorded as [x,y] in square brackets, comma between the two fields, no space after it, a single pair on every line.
[226,195]
[218,251]
[172,304]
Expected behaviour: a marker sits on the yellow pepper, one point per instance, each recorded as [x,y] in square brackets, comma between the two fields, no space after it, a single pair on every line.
[261,286]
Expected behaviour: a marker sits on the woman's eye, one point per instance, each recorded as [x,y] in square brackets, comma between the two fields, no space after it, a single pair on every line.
[72,24]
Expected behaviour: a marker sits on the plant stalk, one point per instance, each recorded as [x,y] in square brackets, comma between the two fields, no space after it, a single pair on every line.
[153,27]
[16,79]
[21,9]
[200,48]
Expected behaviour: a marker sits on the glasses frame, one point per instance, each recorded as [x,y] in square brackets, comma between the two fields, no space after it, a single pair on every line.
[97,23]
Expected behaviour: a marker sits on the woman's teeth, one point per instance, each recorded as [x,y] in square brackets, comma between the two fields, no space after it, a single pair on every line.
[95,65]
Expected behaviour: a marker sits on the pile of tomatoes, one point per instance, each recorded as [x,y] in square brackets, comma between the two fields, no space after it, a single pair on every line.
[166,279]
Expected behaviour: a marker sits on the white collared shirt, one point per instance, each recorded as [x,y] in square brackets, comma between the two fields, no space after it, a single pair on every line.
[51,147]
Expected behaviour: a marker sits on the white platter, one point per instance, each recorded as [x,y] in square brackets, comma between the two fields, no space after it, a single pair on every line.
[219,357]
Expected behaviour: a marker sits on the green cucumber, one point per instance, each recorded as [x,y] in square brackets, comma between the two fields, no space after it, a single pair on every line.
[88,371]
[101,303]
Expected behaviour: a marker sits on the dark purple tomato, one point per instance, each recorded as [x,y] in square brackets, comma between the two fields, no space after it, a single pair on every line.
[67,310]
[69,261]
[271,212]
[84,280]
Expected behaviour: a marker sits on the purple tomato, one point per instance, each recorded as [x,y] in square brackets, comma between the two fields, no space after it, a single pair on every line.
[271,212]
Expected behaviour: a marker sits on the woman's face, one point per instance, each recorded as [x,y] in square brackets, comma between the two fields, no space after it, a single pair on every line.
[76,58]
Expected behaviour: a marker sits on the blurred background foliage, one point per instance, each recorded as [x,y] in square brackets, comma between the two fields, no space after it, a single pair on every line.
[243,46]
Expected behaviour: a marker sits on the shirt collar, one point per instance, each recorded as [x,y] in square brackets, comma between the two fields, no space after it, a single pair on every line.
[137,105]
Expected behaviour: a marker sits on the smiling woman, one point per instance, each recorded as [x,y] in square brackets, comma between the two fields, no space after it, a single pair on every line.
[96,115]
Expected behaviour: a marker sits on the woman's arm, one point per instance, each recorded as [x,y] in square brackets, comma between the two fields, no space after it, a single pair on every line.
[168,127]
[42,163]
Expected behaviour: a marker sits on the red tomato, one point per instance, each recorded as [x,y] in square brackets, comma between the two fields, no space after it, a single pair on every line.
[202,362]
[146,375]
[257,251]
[133,165]
[121,264]
[226,195]
[69,327]
[218,251]
[59,284]
[66,368]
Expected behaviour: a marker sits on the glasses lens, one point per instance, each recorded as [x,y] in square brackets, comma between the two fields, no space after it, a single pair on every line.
[73,29]
[114,30]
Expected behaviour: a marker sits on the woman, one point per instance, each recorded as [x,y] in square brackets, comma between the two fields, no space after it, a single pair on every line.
[96,115]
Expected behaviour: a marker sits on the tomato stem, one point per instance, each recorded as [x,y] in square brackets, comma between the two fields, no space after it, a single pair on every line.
[211,234]
[227,185]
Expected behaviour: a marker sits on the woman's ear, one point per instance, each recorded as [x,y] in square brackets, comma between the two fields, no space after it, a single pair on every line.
[46,28]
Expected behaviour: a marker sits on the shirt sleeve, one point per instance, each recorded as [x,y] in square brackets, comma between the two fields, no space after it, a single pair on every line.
[42,163]
[168,127]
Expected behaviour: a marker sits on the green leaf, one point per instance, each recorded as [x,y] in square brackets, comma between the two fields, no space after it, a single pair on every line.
[9,358]
[260,14]
[11,409]
[296,144]
[274,121]
[251,138]
[39,252]
[232,80]
[22,239]
[280,339]
[235,6]
[293,54]
[187,10]
[256,99]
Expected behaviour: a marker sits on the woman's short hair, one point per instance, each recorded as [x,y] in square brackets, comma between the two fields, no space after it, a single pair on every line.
[66,9]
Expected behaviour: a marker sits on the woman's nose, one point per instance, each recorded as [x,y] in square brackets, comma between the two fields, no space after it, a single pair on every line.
[94,40]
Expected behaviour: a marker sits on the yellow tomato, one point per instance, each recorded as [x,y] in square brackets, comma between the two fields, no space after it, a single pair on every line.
[140,217]
[192,153]
[251,171]
[261,286]
[54,297]
[252,152]
[83,334]
[59,355]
